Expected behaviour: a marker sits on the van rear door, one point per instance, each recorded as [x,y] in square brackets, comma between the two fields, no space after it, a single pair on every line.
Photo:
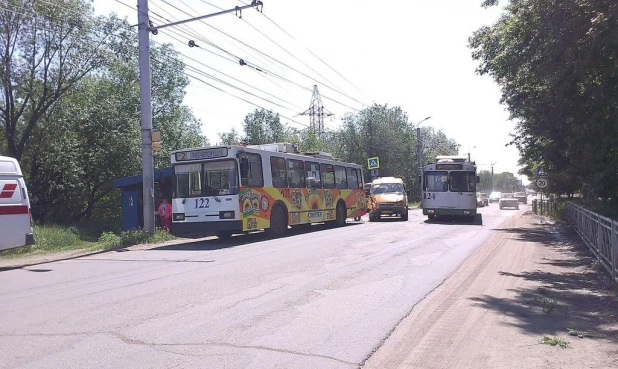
[15,221]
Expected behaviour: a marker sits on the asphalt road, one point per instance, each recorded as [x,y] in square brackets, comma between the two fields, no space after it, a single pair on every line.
[320,298]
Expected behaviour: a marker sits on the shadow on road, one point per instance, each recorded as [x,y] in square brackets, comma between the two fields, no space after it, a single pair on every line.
[456,220]
[571,291]
[244,239]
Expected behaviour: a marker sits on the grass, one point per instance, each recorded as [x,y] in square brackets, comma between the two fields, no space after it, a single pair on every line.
[548,305]
[554,341]
[85,236]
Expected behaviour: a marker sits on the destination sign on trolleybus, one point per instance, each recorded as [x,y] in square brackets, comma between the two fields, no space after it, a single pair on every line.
[449,166]
[219,152]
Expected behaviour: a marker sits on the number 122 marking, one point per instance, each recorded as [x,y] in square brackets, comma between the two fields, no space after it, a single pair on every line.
[202,203]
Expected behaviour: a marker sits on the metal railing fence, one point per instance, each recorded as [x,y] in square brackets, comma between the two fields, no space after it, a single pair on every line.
[599,233]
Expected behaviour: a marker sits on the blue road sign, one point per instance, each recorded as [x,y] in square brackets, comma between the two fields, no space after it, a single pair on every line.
[373,163]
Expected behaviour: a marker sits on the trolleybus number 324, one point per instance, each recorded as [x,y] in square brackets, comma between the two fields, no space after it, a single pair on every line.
[429,196]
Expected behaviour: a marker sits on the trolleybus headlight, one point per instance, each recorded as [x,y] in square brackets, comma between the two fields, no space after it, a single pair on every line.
[179,216]
[226,215]
[466,212]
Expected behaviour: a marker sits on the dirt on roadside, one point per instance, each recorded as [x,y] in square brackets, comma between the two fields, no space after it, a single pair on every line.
[531,297]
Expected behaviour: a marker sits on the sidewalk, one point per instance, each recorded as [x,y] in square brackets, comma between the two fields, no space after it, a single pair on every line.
[528,281]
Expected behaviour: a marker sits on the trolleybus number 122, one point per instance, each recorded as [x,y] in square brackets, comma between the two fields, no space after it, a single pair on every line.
[429,196]
[202,203]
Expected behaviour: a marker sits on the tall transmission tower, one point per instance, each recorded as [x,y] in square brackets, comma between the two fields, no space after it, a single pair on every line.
[316,113]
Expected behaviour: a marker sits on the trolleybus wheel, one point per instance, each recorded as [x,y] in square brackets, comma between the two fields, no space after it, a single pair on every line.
[341,214]
[278,222]
[224,235]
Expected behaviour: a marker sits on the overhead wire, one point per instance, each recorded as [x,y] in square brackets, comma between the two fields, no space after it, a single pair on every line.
[326,85]
[251,65]
[311,52]
[278,45]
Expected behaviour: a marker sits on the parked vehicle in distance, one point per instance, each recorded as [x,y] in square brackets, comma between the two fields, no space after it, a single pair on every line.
[15,219]
[495,196]
[388,197]
[485,198]
[479,200]
[508,200]
[522,197]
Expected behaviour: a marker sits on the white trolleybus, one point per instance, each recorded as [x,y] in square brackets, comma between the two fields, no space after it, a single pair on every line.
[449,187]
[227,190]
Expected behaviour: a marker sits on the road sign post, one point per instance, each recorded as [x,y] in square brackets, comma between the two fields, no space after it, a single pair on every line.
[542,182]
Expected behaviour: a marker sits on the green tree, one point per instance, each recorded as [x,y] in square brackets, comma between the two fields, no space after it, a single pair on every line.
[263,127]
[46,49]
[555,63]
[230,138]
[93,134]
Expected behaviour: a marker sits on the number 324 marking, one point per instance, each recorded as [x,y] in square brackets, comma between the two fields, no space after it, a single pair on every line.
[429,196]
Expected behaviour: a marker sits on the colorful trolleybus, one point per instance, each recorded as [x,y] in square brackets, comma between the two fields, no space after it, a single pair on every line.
[449,187]
[238,189]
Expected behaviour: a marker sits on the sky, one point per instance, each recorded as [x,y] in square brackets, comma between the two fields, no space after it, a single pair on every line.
[407,53]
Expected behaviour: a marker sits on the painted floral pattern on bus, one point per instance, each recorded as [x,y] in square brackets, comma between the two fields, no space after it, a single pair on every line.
[304,205]
[314,198]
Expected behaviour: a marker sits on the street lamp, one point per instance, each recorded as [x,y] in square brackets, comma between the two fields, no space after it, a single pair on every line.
[493,185]
[419,155]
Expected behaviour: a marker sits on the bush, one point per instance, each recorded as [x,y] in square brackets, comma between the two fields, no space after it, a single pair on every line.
[109,240]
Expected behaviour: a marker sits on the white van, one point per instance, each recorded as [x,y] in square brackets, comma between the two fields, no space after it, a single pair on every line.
[15,219]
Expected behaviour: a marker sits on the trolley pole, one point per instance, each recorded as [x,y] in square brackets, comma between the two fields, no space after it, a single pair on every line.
[146,116]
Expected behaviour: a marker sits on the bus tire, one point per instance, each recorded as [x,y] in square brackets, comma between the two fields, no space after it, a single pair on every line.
[340,215]
[404,216]
[278,222]
[224,235]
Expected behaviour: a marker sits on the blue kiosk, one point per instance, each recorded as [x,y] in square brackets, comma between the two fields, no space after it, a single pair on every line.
[132,213]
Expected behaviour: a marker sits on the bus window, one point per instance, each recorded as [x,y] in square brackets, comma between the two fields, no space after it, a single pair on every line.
[328,175]
[436,181]
[254,176]
[220,177]
[340,178]
[296,174]
[277,168]
[313,175]
[188,180]
[463,182]
[352,178]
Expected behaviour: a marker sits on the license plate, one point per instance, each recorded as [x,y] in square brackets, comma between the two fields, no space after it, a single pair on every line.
[387,212]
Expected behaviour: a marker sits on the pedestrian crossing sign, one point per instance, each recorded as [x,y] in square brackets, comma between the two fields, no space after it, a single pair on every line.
[373,163]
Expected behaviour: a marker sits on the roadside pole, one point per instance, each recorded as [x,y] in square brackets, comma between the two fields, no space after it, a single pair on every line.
[145,28]
[419,155]
[146,117]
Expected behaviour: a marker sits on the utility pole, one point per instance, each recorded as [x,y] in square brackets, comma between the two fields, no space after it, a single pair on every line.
[144,30]
[146,116]
[419,156]
[493,185]
[316,113]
